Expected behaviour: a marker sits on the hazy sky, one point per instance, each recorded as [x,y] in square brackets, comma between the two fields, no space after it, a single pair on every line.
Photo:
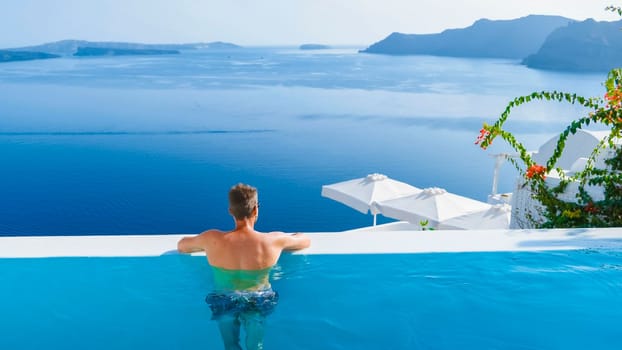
[262,22]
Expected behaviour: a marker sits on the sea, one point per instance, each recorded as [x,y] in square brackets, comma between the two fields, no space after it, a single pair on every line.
[152,144]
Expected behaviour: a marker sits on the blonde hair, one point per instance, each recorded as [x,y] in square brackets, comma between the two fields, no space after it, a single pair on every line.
[242,201]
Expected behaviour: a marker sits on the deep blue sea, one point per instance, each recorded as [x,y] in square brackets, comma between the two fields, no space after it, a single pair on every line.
[141,145]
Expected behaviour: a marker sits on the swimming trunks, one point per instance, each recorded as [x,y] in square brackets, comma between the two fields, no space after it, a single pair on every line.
[235,303]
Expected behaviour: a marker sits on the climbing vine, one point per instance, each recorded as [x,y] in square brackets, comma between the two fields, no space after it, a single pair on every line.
[584,211]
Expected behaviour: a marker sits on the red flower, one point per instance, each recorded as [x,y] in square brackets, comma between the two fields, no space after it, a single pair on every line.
[483,133]
[614,97]
[536,170]
[590,208]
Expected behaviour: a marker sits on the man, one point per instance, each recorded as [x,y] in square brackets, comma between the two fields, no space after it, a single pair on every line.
[241,261]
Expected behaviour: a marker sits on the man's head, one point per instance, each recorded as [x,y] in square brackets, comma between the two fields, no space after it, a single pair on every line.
[242,201]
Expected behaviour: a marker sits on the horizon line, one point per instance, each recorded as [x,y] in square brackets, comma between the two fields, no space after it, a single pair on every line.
[150,42]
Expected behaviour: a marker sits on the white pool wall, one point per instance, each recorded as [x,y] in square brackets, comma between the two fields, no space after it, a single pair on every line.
[348,242]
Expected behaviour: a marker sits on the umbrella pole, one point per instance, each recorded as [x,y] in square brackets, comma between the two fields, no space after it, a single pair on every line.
[374,219]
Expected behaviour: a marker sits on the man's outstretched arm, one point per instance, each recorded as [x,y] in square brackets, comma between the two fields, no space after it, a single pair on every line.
[294,241]
[193,244]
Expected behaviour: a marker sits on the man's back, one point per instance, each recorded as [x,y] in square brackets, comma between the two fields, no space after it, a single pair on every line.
[241,261]
[243,248]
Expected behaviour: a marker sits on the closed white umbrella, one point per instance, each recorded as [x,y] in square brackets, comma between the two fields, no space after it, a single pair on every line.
[495,217]
[432,204]
[362,193]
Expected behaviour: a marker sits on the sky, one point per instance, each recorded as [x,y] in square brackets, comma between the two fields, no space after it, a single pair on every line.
[262,22]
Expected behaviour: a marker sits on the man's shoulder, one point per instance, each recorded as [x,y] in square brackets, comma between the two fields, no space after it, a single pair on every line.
[276,235]
[213,231]
[211,234]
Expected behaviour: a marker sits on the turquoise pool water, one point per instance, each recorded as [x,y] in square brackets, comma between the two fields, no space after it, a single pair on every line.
[538,300]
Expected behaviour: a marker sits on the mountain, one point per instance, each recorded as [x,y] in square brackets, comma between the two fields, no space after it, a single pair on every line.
[100,51]
[217,45]
[10,56]
[587,46]
[516,38]
[313,47]
[69,47]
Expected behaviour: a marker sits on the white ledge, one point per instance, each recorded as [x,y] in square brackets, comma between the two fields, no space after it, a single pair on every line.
[348,242]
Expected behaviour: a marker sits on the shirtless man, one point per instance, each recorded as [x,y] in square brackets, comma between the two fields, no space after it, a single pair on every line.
[241,261]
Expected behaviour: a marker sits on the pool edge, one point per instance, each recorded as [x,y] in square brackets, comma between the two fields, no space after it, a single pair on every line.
[347,242]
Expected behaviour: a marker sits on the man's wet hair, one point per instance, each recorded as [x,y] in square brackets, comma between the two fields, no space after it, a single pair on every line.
[242,201]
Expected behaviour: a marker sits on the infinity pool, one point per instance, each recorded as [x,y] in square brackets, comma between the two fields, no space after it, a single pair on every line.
[528,300]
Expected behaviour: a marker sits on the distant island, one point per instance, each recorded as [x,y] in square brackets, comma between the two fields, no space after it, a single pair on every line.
[70,47]
[516,38]
[582,47]
[101,51]
[217,45]
[540,42]
[314,47]
[11,56]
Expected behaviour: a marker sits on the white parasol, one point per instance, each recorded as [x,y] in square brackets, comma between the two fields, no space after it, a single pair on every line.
[434,205]
[495,217]
[362,193]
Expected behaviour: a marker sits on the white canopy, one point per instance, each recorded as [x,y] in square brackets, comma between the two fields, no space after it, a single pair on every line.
[362,193]
[578,146]
[432,204]
[495,217]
